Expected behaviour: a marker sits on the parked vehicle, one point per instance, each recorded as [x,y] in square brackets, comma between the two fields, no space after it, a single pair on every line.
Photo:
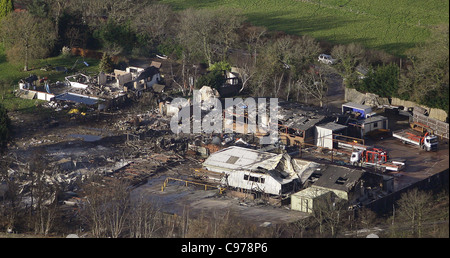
[375,157]
[326,59]
[428,142]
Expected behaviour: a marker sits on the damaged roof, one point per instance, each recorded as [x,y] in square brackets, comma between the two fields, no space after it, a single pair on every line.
[298,116]
[239,158]
[339,178]
[280,166]
[148,72]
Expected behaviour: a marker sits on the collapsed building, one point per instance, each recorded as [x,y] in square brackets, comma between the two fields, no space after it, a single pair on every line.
[302,181]
[258,171]
[102,91]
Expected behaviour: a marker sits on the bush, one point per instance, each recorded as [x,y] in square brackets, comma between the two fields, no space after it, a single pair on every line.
[106,64]
[214,79]
[383,81]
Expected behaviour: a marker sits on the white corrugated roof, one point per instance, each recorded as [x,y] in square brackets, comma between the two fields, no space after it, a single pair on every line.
[235,157]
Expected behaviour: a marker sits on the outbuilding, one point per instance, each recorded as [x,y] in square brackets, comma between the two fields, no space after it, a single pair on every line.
[326,133]
[307,199]
[363,127]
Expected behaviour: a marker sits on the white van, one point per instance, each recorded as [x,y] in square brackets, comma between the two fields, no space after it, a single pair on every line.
[326,59]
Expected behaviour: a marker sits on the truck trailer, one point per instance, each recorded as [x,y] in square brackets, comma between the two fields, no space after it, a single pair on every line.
[426,142]
[376,158]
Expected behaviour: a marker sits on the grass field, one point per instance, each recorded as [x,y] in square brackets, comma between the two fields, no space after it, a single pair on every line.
[393,26]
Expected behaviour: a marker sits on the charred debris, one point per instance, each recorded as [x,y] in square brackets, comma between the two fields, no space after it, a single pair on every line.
[310,159]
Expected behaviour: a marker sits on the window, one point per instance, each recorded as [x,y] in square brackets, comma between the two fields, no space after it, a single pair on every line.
[232,159]
[255,179]
[341,180]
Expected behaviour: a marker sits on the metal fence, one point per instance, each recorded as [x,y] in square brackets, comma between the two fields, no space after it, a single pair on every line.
[439,128]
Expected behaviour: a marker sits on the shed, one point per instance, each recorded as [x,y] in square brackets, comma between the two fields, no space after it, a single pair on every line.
[325,134]
[362,127]
[305,200]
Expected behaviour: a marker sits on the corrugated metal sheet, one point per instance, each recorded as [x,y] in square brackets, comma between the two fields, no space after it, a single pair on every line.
[244,159]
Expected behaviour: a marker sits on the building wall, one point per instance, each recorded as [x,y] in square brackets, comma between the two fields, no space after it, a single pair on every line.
[358,97]
[324,137]
[305,200]
[44,96]
[238,179]
[154,80]
[340,194]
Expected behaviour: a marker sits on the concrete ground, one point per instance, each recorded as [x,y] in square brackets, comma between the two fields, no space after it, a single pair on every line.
[420,164]
[177,198]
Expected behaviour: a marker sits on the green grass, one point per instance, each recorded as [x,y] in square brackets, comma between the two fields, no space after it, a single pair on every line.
[392,26]
[11,73]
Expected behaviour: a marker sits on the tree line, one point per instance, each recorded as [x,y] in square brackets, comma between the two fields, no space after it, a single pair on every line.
[270,63]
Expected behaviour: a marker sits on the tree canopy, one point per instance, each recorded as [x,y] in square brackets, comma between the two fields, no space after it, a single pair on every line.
[26,37]
[6,6]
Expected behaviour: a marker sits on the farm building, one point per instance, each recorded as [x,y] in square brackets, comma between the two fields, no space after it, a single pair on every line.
[259,171]
[330,182]
[142,78]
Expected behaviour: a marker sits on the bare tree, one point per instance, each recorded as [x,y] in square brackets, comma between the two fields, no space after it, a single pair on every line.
[11,194]
[43,193]
[253,38]
[414,206]
[106,208]
[26,37]
[162,21]
[349,56]
[145,219]
[330,211]
[313,84]
[209,33]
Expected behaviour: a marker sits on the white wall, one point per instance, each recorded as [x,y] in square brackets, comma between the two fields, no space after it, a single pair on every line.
[324,137]
[236,179]
[374,126]
[44,95]
[78,85]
